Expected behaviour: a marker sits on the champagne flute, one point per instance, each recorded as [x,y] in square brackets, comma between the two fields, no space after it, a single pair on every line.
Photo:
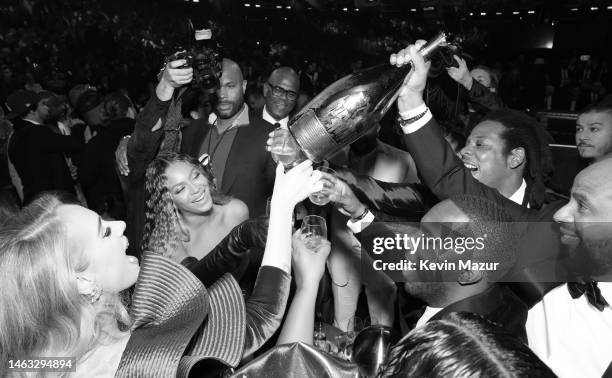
[284,148]
[322,197]
[314,230]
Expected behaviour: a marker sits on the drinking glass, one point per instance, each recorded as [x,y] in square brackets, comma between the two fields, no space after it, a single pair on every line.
[284,148]
[314,229]
[322,197]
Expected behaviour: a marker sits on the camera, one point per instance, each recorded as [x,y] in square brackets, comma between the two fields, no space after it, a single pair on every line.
[204,55]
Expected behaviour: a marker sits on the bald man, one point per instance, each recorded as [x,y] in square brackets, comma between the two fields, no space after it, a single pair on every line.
[571,328]
[280,92]
[233,137]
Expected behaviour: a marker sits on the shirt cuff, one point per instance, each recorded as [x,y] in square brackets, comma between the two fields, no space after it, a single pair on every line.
[416,125]
[357,226]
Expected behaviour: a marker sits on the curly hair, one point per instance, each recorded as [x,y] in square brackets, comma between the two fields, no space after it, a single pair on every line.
[162,229]
[523,131]
[462,345]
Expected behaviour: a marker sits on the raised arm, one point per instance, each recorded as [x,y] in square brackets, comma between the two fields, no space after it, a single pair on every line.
[266,306]
[134,154]
[438,166]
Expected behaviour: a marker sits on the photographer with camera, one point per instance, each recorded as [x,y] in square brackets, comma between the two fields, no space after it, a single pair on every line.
[232,137]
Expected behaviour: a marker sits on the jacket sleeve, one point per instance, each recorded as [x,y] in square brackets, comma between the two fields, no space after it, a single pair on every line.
[144,143]
[266,307]
[407,201]
[482,96]
[444,174]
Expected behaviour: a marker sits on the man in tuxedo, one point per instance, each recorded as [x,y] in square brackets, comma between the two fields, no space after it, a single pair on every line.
[571,328]
[594,133]
[280,92]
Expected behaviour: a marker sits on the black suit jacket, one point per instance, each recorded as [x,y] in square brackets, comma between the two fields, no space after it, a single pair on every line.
[249,171]
[39,155]
[445,175]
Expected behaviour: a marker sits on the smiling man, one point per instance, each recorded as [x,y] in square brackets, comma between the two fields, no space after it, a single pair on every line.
[571,328]
[594,133]
[280,92]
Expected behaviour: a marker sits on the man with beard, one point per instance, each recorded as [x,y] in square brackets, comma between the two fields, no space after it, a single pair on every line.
[280,92]
[571,328]
[36,149]
[232,138]
[594,133]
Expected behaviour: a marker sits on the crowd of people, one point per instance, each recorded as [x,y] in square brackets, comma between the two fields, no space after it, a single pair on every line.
[146,229]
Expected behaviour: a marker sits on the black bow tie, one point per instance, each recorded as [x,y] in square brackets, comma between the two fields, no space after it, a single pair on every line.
[592,292]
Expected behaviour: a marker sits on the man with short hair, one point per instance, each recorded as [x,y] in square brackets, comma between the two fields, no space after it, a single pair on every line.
[571,328]
[594,133]
[280,92]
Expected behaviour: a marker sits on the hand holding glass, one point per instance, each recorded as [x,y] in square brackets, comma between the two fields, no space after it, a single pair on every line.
[322,197]
[284,148]
[314,230]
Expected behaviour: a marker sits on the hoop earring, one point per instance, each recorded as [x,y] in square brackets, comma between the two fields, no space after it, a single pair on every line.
[90,290]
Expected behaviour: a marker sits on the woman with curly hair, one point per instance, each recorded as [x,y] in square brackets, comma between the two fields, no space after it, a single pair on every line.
[185,214]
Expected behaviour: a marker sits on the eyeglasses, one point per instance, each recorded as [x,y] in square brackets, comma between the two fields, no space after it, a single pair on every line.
[282,92]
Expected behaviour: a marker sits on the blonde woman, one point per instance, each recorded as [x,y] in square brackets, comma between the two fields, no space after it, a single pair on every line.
[63,271]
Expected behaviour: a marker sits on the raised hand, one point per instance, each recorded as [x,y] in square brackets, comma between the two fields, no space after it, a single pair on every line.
[173,77]
[294,186]
[461,74]
[308,265]
[411,93]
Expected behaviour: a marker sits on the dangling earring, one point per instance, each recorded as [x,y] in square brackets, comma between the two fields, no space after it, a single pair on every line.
[89,289]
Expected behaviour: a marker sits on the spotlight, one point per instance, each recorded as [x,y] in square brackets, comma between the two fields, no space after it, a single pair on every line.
[574,9]
[345,9]
[413,9]
[257,6]
[531,12]
[288,7]
[279,7]
[515,12]
[245,4]
[483,13]
[594,8]
[498,13]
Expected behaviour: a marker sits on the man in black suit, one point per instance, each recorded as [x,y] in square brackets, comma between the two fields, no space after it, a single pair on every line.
[36,150]
[234,139]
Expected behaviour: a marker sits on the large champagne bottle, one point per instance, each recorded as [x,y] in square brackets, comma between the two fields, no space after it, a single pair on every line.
[351,106]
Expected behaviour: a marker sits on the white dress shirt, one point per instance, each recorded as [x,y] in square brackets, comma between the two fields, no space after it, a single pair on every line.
[268,118]
[572,337]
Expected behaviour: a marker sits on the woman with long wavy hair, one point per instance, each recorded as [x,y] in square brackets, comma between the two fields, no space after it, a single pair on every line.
[185,214]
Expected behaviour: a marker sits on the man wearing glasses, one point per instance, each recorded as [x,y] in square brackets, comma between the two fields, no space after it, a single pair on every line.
[280,92]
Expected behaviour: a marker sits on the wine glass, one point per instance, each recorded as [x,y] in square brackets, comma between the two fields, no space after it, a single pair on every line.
[284,148]
[314,230]
[322,197]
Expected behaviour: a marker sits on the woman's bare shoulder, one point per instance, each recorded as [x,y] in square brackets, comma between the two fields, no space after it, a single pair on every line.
[236,211]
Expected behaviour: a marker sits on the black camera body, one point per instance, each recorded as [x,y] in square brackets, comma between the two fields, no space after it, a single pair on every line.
[205,57]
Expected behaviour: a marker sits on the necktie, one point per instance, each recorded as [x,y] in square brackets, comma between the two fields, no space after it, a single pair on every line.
[593,293]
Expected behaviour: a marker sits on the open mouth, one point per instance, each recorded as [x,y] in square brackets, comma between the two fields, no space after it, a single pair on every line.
[472,167]
[199,198]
